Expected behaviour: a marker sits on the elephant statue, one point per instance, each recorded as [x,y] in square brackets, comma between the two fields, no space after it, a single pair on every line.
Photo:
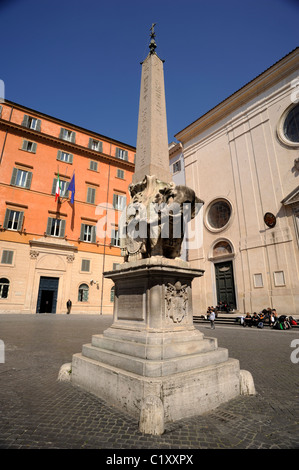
[155,220]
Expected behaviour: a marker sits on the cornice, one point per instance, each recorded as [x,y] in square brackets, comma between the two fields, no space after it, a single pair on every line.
[174,147]
[251,90]
[61,144]
[291,198]
[51,242]
[14,204]
[69,125]
[229,125]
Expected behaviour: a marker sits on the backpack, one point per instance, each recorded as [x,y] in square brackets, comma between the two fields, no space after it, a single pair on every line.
[260,324]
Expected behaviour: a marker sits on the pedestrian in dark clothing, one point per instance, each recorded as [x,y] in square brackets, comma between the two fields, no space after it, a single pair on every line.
[247,320]
[69,306]
[255,319]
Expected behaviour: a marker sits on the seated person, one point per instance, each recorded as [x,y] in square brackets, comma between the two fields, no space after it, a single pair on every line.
[255,319]
[247,320]
[261,317]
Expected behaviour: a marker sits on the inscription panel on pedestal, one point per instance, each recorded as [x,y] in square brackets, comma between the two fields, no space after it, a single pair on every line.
[131,306]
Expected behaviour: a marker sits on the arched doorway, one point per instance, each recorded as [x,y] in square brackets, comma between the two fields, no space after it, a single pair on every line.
[224,273]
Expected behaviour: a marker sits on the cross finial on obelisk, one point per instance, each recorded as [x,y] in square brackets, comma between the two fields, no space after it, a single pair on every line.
[152,155]
[152,44]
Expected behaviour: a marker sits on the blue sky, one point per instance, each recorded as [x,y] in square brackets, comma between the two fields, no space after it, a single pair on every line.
[79,61]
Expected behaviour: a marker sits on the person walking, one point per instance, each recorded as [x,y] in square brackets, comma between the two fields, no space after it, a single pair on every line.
[212,319]
[69,306]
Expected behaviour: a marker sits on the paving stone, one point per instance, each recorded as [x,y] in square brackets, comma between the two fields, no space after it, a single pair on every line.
[38,412]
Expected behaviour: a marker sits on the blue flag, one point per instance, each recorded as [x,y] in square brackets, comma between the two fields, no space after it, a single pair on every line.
[72,188]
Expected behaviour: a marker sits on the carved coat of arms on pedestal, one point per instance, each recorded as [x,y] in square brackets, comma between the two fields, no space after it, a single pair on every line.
[177,301]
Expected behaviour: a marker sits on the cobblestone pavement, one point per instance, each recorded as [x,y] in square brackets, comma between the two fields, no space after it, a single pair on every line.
[39,412]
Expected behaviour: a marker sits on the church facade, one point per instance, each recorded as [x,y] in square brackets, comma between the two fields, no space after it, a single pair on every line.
[241,158]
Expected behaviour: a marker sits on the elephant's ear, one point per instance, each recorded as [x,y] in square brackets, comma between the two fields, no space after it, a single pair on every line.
[198,201]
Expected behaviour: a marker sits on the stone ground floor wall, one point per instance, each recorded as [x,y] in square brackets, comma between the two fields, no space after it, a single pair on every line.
[62,262]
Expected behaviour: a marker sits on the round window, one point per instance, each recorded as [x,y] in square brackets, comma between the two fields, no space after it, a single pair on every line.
[219,214]
[291,125]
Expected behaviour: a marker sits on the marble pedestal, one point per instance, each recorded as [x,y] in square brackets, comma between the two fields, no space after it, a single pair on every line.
[152,349]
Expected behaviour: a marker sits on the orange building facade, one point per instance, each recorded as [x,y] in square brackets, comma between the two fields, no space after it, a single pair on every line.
[55,249]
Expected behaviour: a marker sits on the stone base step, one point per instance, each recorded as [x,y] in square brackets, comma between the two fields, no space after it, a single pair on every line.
[155,368]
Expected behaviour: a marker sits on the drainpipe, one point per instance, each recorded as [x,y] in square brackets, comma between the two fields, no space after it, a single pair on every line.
[104,254]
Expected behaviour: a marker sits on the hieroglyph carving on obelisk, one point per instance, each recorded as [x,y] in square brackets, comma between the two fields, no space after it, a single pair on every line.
[152,155]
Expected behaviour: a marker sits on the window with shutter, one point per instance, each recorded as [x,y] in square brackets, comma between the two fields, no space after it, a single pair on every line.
[13,220]
[88,233]
[69,136]
[29,146]
[64,192]
[31,123]
[95,145]
[55,227]
[93,165]
[7,257]
[120,174]
[64,156]
[91,195]
[119,202]
[121,154]
[115,241]
[21,178]
[85,265]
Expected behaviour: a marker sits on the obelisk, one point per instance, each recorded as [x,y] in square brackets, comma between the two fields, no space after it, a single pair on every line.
[152,154]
